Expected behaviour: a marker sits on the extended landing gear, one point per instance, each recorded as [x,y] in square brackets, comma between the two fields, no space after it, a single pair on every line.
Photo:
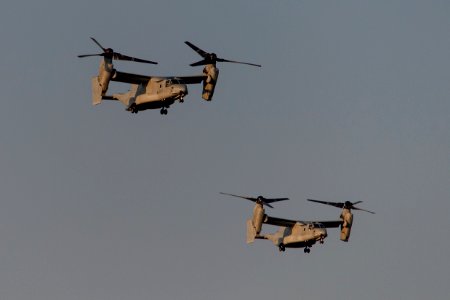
[281,247]
[133,108]
[163,111]
[307,250]
[321,240]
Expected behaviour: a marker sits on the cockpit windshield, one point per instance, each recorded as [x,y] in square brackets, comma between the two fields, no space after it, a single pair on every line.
[172,81]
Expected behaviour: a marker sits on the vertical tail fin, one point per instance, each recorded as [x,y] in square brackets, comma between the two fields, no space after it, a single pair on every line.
[129,97]
[96,91]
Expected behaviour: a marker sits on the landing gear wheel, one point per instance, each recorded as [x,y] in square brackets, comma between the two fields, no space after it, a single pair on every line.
[281,247]
[307,250]
[163,111]
[133,108]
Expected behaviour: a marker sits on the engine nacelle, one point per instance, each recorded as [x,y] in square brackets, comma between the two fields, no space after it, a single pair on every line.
[105,73]
[347,221]
[100,83]
[209,83]
[257,219]
[251,232]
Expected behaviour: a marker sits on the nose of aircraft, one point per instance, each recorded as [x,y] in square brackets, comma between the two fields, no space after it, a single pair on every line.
[322,232]
[179,89]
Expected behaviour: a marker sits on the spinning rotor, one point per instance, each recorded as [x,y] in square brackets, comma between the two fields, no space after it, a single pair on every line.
[347,205]
[109,53]
[260,199]
[211,58]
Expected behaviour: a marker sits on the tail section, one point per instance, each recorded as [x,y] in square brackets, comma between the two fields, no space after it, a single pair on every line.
[129,97]
[96,91]
[254,225]
[100,83]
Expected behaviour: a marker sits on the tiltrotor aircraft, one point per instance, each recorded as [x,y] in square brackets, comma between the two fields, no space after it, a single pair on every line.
[152,92]
[296,233]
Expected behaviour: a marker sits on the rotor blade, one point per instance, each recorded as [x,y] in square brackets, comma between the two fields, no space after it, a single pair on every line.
[335,204]
[98,44]
[275,200]
[87,55]
[118,56]
[357,202]
[356,208]
[237,62]
[267,204]
[196,49]
[243,197]
[200,63]
[259,199]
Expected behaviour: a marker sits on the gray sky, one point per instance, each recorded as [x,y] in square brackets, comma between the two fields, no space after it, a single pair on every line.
[352,103]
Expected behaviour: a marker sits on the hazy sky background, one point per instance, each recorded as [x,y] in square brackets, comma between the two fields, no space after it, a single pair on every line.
[352,103]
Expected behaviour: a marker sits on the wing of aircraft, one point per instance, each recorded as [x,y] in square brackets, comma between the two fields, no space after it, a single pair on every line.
[290,223]
[327,224]
[130,78]
[143,79]
[280,222]
[189,79]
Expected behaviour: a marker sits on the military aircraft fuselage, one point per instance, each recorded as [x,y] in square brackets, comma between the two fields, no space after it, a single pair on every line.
[160,90]
[303,235]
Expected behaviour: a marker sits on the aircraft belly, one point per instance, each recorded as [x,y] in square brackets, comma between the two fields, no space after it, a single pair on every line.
[300,244]
[155,104]
[298,241]
[160,97]
[146,98]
